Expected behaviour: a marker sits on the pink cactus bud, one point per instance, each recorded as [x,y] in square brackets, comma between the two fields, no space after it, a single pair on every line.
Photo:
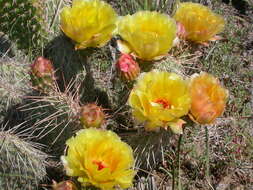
[128,68]
[42,74]
[64,185]
[92,116]
[42,67]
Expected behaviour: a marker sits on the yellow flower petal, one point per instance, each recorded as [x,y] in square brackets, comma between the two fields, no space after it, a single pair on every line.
[99,158]
[176,126]
[147,34]
[123,46]
[90,23]
[199,22]
[159,99]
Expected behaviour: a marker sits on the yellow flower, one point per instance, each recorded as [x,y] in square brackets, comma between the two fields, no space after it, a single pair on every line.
[90,23]
[159,99]
[99,158]
[208,98]
[200,23]
[148,35]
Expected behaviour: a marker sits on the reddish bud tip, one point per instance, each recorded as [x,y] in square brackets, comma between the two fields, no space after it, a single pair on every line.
[128,67]
[181,32]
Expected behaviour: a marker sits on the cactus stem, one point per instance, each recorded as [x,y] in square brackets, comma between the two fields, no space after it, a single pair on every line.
[16,175]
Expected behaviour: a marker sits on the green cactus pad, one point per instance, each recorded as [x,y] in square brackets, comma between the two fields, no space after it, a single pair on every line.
[22,21]
[22,165]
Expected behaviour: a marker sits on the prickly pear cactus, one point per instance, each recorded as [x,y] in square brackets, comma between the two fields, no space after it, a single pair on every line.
[42,74]
[58,117]
[22,165]
[171,65]
[67,61]
[22,21]
[14,83]
[148,147]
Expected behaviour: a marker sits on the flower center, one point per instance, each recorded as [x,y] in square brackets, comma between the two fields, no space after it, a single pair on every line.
[163,102]
[100,164]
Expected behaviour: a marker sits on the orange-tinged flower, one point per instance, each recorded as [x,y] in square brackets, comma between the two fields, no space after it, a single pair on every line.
[208,98]
[99,158]
[90,23]
[148,35]
[200,23]
[159,99]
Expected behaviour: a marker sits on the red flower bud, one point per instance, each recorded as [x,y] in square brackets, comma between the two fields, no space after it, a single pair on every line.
[42,74]
[128,68]
[42,67]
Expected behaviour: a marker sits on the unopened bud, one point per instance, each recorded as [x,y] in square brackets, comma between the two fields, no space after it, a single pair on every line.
[42,73]
[42,67]
[128,68]
[92,116]
[64,185]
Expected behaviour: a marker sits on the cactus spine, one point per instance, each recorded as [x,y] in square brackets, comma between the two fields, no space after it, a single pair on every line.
[22,165]
[14,83]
